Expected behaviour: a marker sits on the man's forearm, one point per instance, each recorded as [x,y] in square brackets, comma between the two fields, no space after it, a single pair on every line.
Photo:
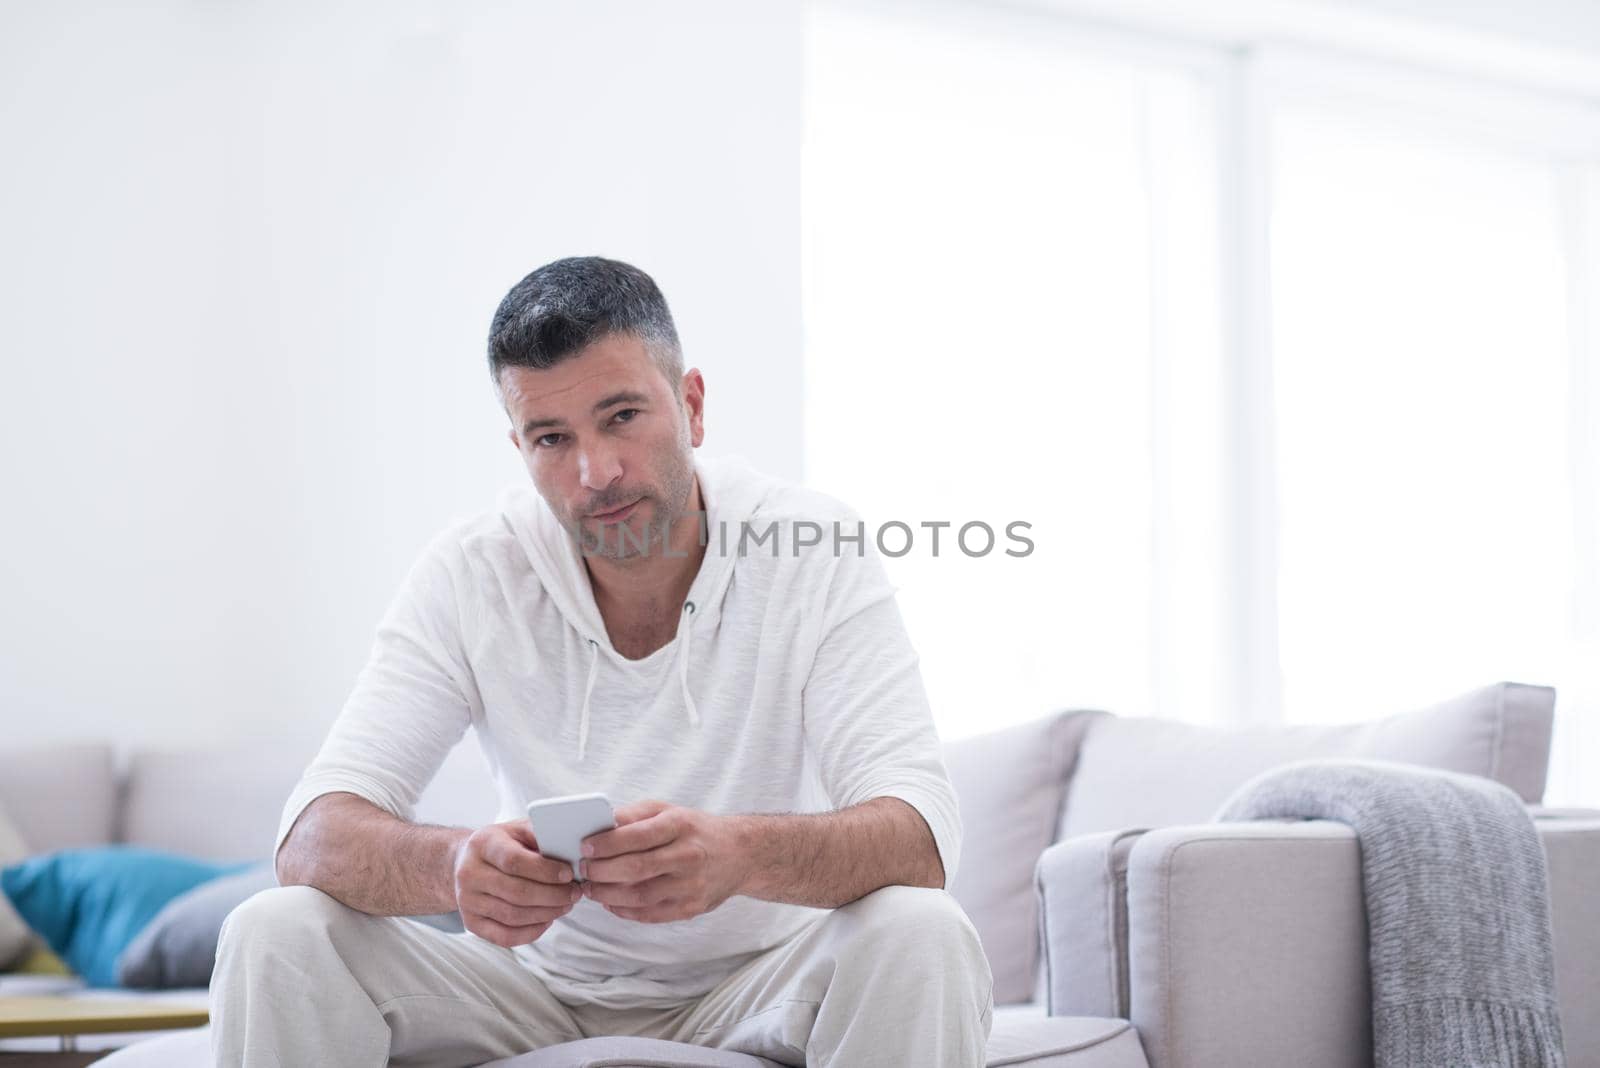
[370,859]
[829,859]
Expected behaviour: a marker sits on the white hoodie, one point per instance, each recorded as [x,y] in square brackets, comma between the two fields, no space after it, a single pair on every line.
[790,686]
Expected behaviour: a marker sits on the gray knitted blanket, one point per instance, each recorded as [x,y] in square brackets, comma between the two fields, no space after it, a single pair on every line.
[1458,914]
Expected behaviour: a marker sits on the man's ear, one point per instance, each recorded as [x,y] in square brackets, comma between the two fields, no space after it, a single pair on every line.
[694,401]
[511,432]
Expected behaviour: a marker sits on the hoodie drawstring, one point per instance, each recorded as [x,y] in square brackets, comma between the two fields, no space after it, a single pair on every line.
[684,646]
[686,624]
[583,718]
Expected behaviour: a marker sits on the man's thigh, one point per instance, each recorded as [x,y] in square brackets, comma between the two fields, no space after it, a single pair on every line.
[298,966]
[459,999]
[845,982]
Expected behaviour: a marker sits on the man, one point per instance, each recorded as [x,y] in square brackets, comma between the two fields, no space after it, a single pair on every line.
[671,632]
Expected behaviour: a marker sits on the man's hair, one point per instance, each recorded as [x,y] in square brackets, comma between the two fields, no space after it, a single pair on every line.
[570,303]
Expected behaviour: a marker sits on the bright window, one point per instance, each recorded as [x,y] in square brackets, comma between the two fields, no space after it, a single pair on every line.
[995,324]
[1421,364]
[1291,361]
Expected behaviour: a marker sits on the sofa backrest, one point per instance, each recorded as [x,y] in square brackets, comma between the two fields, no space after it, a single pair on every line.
[218,803]
[1081,772]
[1019,789]
[59,796]
[225,804]
[1159,773]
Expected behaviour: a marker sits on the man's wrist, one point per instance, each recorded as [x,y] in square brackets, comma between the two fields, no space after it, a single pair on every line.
[455,843]
[743,843]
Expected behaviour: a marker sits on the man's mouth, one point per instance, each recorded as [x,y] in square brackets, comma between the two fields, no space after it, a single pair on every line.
[617,515]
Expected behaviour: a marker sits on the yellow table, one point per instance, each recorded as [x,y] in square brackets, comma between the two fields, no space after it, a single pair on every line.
[23,1017]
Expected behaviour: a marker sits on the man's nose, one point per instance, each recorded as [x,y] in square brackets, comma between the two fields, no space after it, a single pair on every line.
[598,466]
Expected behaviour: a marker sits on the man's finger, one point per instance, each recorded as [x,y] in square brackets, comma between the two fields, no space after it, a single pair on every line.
[524,893]
[638,810]
[513,858]
[648,833]
[505,936]
[633,867]
[523,833]
[635,895]
[510,915]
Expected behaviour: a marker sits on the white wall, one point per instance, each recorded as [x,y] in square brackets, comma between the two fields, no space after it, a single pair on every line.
[248,256]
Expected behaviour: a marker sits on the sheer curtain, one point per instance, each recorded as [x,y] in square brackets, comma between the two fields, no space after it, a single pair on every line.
[1421,365]
[994,223]
[1429,372]
[1049,273]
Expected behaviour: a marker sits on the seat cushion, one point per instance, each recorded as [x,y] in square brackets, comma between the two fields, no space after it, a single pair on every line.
[630,1053]
[192,1049]
[1022,1036]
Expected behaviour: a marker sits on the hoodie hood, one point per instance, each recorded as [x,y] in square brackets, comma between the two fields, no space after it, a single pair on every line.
[731,491]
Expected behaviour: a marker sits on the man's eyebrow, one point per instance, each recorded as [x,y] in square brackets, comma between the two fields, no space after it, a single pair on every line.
[625,396]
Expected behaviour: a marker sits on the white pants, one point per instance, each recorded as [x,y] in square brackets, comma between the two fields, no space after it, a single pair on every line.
[896,978]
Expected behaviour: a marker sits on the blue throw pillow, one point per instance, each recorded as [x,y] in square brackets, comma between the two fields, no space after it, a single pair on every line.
[88,904]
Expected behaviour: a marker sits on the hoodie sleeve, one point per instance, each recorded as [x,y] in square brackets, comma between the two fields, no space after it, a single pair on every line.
[410,703]
[867,717]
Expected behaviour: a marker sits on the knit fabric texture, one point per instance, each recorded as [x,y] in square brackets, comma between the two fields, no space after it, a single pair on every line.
[1458,912]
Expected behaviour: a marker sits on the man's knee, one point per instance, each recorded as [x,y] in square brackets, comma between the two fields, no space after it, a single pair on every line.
[284,918]
[909,944]
[913,921]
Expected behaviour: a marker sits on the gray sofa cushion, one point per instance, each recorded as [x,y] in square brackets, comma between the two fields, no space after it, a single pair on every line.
[1161,773]
[179,946]
[1009,785]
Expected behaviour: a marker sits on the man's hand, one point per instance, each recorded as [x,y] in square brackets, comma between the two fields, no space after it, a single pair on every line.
[507,892]
[664,863]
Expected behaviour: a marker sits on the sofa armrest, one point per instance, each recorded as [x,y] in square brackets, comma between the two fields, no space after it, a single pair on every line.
[1247,943]
[1572,860]
[1083,924]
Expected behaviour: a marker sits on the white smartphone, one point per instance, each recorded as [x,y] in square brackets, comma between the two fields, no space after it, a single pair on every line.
[560,824]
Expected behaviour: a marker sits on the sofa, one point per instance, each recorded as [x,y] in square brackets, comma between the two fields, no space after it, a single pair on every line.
[1124,929]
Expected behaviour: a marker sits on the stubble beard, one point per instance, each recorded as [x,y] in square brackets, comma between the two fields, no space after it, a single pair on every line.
[615,542]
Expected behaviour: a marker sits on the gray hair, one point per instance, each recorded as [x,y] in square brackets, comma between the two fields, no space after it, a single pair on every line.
[570,303]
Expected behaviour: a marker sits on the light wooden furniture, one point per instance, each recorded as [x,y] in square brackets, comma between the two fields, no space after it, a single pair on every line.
[24,1017]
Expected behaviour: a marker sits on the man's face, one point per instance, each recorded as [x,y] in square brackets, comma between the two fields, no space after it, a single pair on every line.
[602,430]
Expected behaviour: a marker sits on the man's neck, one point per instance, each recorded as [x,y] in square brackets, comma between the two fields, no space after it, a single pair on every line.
[649,589]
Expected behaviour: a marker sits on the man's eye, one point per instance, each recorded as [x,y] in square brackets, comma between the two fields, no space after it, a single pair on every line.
[629,412]
[543,438]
